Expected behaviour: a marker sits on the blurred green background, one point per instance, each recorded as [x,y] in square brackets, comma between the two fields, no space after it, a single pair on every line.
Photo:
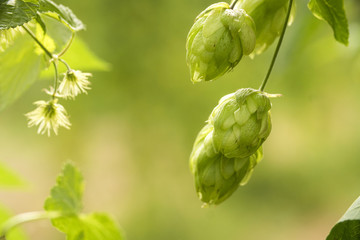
[133,133]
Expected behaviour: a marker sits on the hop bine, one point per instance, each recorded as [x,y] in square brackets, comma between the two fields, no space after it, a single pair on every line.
[217,41]
[229,147]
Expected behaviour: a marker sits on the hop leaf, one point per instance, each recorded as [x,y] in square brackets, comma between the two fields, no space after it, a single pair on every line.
[217,41]
[216,176]
[66,199]
[269,17]
[8,36]
[241,122]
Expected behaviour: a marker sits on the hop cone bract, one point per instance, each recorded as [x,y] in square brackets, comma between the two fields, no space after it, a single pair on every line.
[241,122]
[269,17]
[217,41]
[216,176]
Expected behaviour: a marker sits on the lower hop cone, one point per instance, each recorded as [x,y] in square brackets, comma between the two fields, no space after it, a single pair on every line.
[216,176]
[241,122]
[217,41]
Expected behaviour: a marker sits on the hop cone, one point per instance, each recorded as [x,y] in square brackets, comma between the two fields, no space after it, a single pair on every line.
[269,17]
[241,122]
[217,41]
[216,176]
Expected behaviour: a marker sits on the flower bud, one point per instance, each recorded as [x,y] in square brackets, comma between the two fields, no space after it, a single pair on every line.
[241,123]
[217,41]
[269,17]
[216,176]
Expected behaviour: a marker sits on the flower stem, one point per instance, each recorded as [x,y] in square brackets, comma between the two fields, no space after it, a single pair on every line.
[54,58]
[32,35]
[232,5]
[56,78]
[68,44]
[262,87]
[24,218]
[66,64]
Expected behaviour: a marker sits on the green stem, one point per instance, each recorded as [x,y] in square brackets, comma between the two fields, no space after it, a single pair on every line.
[53,58]
[67,66]
[24,218]
[56,78]
[262,87]
[232,5]
[68,44]
[32,35]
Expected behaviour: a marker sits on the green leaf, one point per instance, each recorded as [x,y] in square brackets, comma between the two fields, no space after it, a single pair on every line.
[66,198]
[9,179]
[66,195]
[63,13]
[15,13]
[15,234]
[57,35]
[95,226]
[79,57]
[333,12]
[20,67]
[348,227]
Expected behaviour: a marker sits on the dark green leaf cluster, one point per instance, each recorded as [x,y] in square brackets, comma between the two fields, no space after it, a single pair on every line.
[14,13]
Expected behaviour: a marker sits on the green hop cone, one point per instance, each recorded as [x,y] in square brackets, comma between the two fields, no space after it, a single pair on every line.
[269,17]
[217,41]
[216,176]
[241,122]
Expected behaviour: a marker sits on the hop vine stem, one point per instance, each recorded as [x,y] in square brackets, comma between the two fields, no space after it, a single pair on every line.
[53,58]
[32,35]
[262,87]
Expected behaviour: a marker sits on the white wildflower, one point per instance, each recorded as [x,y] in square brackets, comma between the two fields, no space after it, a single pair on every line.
[74,83]
[48,116]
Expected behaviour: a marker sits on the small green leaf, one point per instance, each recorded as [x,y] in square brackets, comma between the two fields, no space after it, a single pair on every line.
[15,13]
[95,226]
[66,198]
[9,179]
[20,67]
[348,227]
[63,13]
[66,195]
[333,12]
[14,234]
